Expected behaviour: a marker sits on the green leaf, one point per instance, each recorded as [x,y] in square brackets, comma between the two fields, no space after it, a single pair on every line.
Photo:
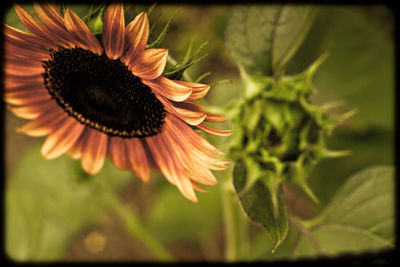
[359,218]
[263,38]
[259,206]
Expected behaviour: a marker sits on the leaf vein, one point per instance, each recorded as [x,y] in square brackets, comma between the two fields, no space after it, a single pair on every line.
[272,39]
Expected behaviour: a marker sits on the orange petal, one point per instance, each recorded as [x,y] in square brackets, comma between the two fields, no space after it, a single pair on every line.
[49,11]
[199,90]
[14,81]
[169,88]
[27,52]
[25,86]
[177,164]
[94,151]
[215,118]
[20,77]
[204,154]
[52,18]
[44,124]
[31,112]
[62,138]
[181,129]
[85,38]
[23,67]
[36,27]
[75,151]
[114,31]
[219,132]
[25,39]
[136,37]
[150,64]
[26,97]
[161,156]
[199,108]
[149,156]
[194,168]
[185,187]
[169,164]
[137,159]
[189,116]
[117,152]
[198,188]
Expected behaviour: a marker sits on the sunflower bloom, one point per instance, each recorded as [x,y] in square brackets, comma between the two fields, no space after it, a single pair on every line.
[94,99]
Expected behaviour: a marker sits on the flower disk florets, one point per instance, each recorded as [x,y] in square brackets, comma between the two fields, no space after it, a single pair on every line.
[102,93]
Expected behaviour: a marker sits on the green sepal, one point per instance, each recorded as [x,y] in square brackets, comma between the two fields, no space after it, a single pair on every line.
[274,115]
[150,9]
[218,82]
[157,43]
[297,173]
[252,176]
[253,115]
[175,71]
[62,8]
[202,76]
[255,85]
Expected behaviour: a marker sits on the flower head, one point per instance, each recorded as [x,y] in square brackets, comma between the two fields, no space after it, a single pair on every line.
[95,99]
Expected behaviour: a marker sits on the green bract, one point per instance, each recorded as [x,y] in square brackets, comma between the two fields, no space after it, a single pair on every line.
[278,135]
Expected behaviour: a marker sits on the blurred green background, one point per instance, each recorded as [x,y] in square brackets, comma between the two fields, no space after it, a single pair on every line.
[55,212]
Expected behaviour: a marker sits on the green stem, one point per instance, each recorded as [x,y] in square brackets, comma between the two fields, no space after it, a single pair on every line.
[236,225]
[236,235]
[134,227]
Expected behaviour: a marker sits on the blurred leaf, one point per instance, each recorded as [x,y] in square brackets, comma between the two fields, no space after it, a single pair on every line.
[263,38]
[47,202]
[174,218]
[360,66]
[360,216]
[328,175]
[258,203]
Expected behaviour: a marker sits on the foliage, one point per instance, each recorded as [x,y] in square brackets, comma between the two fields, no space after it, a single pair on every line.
[339,229]
[279,134]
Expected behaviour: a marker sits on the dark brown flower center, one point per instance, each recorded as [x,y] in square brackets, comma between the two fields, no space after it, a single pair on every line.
[102,93]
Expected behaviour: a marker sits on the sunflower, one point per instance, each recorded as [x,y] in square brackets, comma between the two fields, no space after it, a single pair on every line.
[96,97]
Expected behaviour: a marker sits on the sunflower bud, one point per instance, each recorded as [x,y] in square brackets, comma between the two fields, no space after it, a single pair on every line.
[278,133]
